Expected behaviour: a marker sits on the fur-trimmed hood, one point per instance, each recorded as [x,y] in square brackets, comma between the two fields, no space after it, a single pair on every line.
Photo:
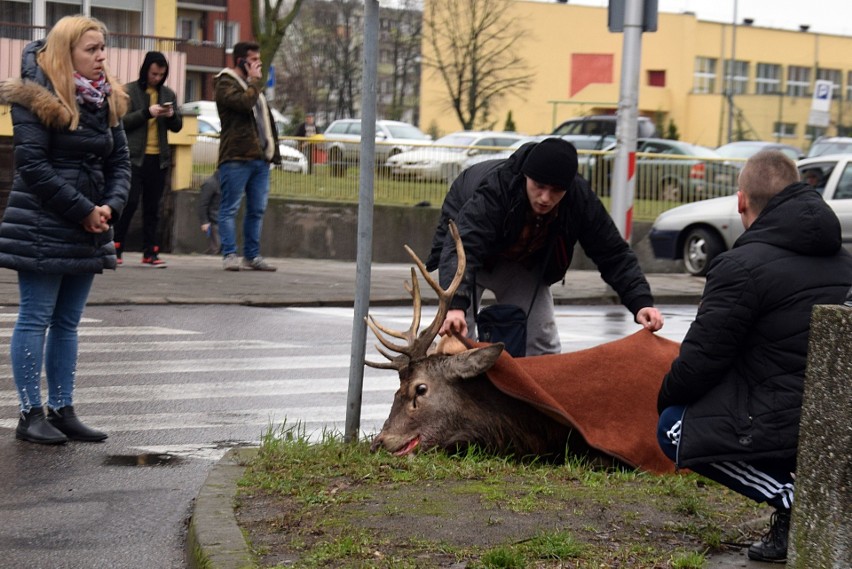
[34,92]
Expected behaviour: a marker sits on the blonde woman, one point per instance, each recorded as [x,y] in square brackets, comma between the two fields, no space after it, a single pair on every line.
[72,178]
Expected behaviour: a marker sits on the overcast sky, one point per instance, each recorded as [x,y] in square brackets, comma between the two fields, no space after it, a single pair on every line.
[825,16]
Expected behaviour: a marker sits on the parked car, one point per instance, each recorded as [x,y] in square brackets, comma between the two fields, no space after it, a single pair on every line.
[343,141]
[444,159]
[830,145]
[582,142]
[205,149]
[603,125]
[698,232]
[670,170]
[745,149]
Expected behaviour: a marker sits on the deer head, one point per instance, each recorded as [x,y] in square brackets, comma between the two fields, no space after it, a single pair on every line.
[433,388]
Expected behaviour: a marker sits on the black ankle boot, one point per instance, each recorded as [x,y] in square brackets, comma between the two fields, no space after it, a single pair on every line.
[34,428]
[772,547]
[65,419]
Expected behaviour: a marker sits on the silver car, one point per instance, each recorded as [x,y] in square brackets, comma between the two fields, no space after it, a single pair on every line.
[343,141]
[698,232]
[443,160]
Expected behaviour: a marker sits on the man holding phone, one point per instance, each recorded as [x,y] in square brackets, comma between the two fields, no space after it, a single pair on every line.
[152,113]
[248,144]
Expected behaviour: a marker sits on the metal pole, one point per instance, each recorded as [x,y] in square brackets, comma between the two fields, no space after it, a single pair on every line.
[625,132]
[731,76]
[365,221]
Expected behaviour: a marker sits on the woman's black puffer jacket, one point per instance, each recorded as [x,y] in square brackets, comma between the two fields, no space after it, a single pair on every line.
[61,175]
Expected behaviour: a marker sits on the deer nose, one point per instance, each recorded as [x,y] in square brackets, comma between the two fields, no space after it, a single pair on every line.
[377,443]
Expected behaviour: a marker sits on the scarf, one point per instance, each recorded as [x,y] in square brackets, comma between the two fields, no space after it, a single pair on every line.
[92,92]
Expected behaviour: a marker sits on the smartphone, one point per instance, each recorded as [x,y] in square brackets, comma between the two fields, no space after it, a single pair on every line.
[243,64]
[167,105]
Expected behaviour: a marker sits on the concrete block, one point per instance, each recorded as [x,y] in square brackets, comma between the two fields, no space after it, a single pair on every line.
[821,530]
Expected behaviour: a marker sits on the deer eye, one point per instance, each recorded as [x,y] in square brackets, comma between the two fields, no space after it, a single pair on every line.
[421,389]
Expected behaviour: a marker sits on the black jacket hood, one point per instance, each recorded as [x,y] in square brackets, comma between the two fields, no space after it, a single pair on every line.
[150,58]
[799,220]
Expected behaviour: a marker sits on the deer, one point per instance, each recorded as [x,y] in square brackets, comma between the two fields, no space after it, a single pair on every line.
[462,394]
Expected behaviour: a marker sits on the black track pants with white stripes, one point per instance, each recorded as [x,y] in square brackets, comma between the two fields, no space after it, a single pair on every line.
[769,481]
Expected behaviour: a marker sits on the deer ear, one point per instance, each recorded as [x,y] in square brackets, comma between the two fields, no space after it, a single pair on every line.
[476,361]
[449,345]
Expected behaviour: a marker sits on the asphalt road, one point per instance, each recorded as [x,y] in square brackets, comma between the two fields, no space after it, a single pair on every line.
[176,387]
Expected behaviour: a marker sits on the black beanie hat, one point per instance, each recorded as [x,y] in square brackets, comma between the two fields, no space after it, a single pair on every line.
[552,161]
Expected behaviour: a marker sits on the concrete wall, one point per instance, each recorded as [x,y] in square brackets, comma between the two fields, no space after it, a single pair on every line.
[323,230]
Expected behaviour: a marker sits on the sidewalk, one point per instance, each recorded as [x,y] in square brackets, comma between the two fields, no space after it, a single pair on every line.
[200,279]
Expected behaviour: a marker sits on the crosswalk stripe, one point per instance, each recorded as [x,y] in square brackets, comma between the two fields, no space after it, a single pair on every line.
[183,346]
[213,390]
[120,331]
[7,317]
[125,368]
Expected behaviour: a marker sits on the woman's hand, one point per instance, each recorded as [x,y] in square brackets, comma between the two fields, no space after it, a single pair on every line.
[650,318]
[98,219]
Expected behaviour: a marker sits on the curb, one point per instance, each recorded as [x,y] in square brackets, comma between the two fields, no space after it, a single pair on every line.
[214,540]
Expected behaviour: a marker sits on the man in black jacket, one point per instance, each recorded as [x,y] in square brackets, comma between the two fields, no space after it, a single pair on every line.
[519,220]
[153,113]
[731,403]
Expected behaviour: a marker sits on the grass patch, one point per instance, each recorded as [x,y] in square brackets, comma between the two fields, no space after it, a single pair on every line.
[324,503]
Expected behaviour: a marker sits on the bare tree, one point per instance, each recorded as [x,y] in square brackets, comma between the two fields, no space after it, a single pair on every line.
[402,44]
[269,23]
[475,50]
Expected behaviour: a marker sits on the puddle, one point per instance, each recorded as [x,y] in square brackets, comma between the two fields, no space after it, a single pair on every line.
[147,459]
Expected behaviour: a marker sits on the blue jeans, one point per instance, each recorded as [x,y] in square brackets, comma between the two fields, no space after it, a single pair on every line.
[236,177]
[51,306]
[769,481]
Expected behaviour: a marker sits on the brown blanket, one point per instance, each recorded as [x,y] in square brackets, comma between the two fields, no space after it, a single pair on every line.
[608,393]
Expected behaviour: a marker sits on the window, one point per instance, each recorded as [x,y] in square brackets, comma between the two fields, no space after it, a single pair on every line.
[849,86]
[798,81]
[15,12]
[768,79]
[227,33]
[657,78]
[832,75]
[844,186]
[186,28]
[814,132]
[784,129]
[704,80]
[736,76]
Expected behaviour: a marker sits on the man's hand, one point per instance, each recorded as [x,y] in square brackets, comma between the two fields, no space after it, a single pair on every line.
[651,318]
[253,70]
[455,320]
[205,227]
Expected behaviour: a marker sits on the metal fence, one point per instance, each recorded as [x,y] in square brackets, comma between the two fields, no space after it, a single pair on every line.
[663,181]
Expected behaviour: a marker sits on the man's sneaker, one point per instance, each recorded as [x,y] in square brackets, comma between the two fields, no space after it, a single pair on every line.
[231,262]
[772,547]
[154,260]
[257,264]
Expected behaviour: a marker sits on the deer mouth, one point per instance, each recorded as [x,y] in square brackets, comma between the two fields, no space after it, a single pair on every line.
[409,447]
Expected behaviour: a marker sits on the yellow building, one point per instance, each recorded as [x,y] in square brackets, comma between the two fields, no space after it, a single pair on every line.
[576,67]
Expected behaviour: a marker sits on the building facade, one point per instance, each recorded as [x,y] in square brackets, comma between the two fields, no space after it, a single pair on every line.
[688,69]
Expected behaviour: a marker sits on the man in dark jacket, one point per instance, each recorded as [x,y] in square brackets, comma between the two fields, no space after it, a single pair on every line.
[153,112]
[519,220]
[249,143]
[731,403]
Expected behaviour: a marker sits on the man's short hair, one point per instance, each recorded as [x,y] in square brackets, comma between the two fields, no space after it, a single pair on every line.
[764,175]
[242,49]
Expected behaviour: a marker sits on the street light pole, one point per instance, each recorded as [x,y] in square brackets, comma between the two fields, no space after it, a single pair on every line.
[733,62]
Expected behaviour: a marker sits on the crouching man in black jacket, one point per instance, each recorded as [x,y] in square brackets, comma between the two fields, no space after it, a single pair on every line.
[731,403]
[519,220]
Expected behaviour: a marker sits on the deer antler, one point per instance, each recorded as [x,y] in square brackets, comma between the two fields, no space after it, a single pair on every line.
[417,345]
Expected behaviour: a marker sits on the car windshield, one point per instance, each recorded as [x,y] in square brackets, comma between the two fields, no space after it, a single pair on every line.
[406,131]
[455,140]
[830,147]
[738,150]
[700,151]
